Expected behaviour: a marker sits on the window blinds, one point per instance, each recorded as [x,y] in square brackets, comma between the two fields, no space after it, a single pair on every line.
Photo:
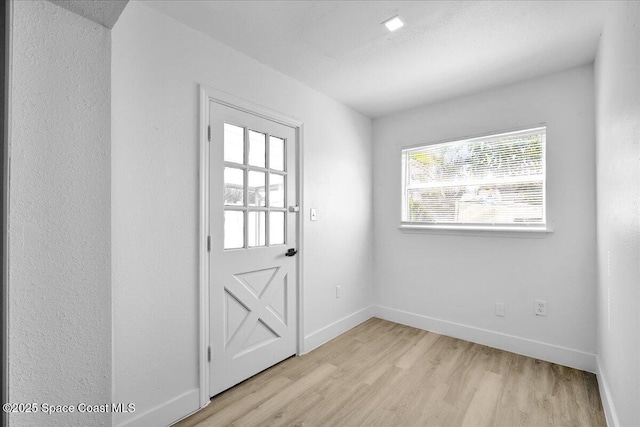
[491,180]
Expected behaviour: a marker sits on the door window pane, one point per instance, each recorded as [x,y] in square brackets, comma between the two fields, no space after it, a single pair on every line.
[233,143]
[256,189]
[257,149]
[233,229]
[276,228]
[257,229]
[276,190]
[233,187]
[276,153]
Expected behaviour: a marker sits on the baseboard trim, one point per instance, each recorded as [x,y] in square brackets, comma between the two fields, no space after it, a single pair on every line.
[549,352]
[167,413]
[605,395]
[329,332]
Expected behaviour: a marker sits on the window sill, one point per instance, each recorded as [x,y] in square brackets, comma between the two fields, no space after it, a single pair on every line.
[477,230]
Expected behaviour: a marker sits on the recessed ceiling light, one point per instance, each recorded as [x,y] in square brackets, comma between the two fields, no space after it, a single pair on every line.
[394,23]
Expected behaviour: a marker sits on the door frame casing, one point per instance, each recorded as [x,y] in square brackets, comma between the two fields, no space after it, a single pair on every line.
[207,95]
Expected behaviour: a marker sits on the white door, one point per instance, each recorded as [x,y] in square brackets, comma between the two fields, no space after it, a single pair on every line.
[253,274]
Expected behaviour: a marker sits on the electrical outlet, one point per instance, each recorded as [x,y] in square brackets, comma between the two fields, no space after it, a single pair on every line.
[338,291]
[500,309]
[540,307]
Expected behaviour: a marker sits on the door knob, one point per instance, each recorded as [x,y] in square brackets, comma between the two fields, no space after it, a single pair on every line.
[291,252]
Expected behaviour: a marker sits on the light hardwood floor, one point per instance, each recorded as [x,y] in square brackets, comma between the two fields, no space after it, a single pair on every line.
[384,374]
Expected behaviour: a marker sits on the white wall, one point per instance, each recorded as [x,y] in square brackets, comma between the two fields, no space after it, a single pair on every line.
[59,217]
[158,64]
[449,282]
[618,186]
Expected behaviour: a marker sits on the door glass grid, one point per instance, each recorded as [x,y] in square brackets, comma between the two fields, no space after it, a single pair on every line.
[255,179]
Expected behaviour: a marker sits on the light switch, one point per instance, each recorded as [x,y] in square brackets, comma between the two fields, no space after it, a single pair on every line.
[314,216]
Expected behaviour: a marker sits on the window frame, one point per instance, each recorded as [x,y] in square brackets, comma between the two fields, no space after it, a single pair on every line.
[481,229]
[246,167]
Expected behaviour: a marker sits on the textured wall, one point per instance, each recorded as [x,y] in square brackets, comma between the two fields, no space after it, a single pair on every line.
[618,184]
[157,66]
[60,295]
[457,277]
[3,321]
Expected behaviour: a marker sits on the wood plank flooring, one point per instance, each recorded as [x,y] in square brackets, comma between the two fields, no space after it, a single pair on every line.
[385,374]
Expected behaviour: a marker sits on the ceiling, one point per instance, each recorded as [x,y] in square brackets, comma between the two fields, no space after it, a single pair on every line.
[103,12]
[445,49]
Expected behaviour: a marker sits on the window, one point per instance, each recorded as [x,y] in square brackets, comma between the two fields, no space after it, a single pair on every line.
[495,181]
[254,188]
